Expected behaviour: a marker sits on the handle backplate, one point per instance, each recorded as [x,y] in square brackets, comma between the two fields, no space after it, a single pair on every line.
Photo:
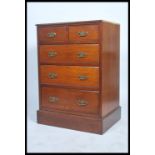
[83,77]
[51,34]
[82,102]
[82,34]
[52,75]
[81,55]
[52,54]
[53,99]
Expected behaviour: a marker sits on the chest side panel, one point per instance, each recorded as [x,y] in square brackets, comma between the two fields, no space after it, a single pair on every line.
[110,67]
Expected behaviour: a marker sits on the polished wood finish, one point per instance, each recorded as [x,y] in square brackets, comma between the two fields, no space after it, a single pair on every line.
[80,123]
[73,23]
[70,54]
[110,67]
[90,103]
[61,34]
[75,122]
[91,30]
[69,100]
[111,118]
[70,76]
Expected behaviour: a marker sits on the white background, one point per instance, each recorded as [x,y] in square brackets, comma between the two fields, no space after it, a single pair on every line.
[40,137]
[142,78]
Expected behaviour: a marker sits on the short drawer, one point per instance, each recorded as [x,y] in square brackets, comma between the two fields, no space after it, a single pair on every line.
[72,100]
[49,34]
[74,76]
[84,33]
[75,54]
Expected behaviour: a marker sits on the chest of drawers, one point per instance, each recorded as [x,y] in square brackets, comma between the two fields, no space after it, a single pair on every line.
[78,65]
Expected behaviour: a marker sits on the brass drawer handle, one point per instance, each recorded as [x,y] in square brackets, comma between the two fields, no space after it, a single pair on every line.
[81,55]
[52,75]
[82,34]
[53,99]
[52,54]
[51,34]
[82,102]
[83,77]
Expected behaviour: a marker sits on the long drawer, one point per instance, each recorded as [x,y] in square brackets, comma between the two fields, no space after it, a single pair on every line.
[72,100]
[75,76]
[75,54]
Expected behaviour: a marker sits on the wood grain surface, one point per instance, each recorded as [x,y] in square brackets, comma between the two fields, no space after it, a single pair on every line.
[70,54]
[69,100]
[70,76]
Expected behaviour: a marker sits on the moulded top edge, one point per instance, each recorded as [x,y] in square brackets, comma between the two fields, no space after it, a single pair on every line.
[76,22]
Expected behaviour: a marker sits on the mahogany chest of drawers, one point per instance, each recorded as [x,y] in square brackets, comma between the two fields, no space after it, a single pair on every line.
[78,65]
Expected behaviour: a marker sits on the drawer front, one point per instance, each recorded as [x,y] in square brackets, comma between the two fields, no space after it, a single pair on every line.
[84,33]
[49,35]
[82,54]
[75,76]
[70,100]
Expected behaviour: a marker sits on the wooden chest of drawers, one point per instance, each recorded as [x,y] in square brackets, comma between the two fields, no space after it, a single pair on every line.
[78,65]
